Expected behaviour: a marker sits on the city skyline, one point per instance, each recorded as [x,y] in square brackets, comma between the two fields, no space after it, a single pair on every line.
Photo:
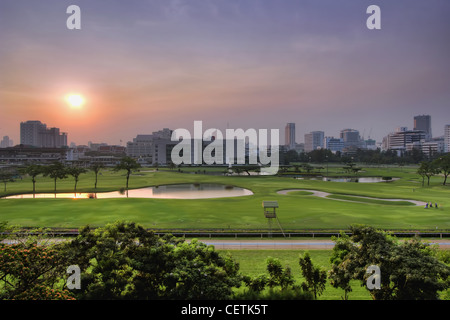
[145,65]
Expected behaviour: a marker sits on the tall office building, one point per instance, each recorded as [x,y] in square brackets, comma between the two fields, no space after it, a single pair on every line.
[35,133]
[289,136]
[314,140]
[423,123]
[447,138]
[351,138]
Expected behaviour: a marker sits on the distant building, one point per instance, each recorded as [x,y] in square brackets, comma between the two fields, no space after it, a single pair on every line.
[146,147]
[423,123]
[351,138]
[314,140]
[289,134]
[20,154]
[402,137]
[447,138]
[6,142]
[334,144]
[432,147]
[36,134]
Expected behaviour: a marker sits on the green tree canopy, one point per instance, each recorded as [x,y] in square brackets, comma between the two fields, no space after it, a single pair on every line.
[410,269]
[124,261]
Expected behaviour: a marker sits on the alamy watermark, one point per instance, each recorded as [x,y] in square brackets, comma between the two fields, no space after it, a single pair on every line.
[236,147]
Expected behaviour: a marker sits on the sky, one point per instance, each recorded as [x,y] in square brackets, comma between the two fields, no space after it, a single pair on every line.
[145,65]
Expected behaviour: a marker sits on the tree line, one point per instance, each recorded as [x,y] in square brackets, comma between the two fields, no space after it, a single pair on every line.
[124,261]
[427,169]
[58,171]
[372,157]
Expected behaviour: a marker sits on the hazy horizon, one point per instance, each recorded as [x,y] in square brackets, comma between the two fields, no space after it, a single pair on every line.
[145,65]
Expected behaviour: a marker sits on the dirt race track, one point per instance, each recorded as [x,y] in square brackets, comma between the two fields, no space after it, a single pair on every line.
[289,244]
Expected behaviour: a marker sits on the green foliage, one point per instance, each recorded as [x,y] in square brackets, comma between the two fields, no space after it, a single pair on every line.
[427,169]
[33,170]
[442,164]
[124,261]
[30,272]
[75,172]
[316,278]
[410,270]
[96,167]
[128,164]
[56,171]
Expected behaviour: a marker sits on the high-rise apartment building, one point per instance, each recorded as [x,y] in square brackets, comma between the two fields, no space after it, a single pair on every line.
[314,140]
[289,136]
[447,138]
[423,123]
[35,133]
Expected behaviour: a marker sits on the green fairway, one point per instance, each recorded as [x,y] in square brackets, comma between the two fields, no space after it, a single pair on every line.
[297,210]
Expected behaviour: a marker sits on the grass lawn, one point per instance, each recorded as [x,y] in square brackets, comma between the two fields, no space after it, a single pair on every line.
[298,210]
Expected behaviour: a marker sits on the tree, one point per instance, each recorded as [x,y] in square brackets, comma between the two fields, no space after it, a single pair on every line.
[427,169]
[410,270]
[125,261]
[6,176]
[31,272]
[56,171]
[443,165]
[129,164]
[75,172]
[96,167]
[278,276]
[33,170]
[315,277]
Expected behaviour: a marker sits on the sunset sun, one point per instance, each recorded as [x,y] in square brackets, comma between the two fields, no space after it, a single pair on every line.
[75,100]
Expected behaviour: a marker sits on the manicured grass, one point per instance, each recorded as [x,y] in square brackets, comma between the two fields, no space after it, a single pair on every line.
[297,211]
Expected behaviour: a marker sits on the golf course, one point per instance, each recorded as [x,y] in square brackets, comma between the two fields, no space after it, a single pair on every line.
[395,204]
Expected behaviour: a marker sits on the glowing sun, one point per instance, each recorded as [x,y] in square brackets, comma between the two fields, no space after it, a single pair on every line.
[75,100]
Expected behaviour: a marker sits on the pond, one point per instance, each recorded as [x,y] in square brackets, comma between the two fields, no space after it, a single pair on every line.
[176,191]
[348,179]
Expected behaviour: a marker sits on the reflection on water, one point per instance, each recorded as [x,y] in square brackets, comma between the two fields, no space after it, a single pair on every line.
[348,179]
[179,191]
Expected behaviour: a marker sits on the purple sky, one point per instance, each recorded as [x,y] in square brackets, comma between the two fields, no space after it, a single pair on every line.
[143,65]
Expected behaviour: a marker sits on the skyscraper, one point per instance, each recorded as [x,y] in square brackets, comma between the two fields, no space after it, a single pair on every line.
[423,123]
[447,138]
[289,132]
